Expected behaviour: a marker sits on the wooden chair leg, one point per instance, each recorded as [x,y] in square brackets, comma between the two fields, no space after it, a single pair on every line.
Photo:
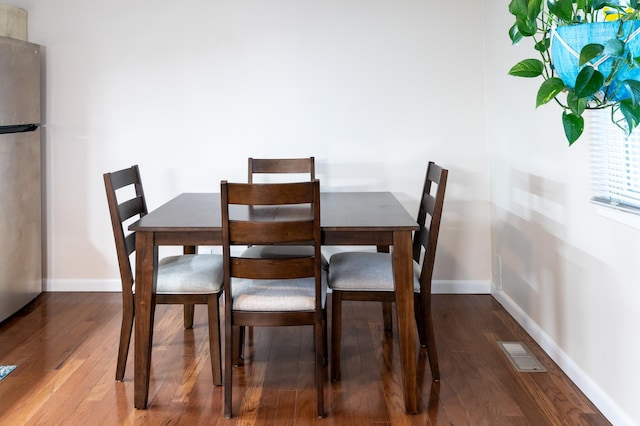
[319,337]
[431,346]
[228,364]
[427,320]
[386,306]
[238,344]
[128,313]
[419,314]
[325,340]
[386,316]
[214,339]
[336,325]
[189,309]
[189,250]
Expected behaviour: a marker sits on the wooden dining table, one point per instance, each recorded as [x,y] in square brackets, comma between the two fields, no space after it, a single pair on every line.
[347,218]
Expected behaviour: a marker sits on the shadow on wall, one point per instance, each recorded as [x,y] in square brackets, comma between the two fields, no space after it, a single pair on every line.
[528,240]
[464,247]
[543,274]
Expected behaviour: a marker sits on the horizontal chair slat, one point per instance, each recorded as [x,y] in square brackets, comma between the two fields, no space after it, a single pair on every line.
[281,268]
[264,194]
[125,177]
[130,208]
[290,165]
[270,233]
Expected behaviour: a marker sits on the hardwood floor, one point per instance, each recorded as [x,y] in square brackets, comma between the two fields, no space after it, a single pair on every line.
[65,346]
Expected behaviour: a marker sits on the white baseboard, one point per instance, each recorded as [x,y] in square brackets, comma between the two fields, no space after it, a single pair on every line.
[438,286]
[600,399]
[77,285]
[460,287]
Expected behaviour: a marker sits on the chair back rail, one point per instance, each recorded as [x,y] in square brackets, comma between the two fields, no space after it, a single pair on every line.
[281,165]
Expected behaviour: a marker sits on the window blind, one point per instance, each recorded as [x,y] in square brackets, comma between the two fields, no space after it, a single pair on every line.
[615,159]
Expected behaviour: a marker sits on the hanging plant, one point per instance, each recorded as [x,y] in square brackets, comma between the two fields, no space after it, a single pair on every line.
[589,57]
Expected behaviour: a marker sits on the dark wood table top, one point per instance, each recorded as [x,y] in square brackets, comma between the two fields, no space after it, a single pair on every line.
[340,211]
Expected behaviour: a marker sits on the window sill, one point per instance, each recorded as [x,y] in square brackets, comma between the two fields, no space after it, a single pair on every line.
[625,217]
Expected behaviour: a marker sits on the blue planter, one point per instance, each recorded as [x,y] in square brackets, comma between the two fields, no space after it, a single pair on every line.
[567,42]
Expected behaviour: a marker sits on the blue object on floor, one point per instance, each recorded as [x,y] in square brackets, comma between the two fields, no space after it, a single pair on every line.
[5,370]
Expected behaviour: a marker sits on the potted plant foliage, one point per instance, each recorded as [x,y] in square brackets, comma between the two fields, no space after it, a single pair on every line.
[589,57]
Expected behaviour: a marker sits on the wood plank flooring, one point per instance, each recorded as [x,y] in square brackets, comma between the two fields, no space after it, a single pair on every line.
[65,346]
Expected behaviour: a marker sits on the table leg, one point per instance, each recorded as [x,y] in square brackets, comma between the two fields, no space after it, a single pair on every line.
[403,278]
[146,274]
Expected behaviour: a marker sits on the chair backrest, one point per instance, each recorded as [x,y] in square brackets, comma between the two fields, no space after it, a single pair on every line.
[125,197]
[280,166]
[425,240]
[271,213]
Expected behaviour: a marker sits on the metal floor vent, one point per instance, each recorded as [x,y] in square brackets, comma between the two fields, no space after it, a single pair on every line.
[521,357]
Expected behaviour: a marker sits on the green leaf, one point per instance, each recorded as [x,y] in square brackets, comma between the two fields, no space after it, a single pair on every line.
[588,82]
[614,47]
[634,89]
[526,15]
[543,45]
[563,9]
[573,126]
[527,68]
[576,105]
[534,8]
[526,26]
[548,90]
[590,51]
[519,8]
[631,113]
[514,34]
[582,4]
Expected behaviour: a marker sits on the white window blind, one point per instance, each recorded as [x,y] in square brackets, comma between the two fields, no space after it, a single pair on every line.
[615,165]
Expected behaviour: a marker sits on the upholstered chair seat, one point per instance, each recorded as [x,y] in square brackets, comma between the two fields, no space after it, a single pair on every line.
[190,274]
[366,271]
[277,295]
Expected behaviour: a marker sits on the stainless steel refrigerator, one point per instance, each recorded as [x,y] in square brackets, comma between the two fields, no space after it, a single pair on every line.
[20,178]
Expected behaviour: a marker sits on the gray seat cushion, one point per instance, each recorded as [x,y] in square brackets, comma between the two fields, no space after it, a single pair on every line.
[258,252]
[190,274]
[365,271]
[276,295]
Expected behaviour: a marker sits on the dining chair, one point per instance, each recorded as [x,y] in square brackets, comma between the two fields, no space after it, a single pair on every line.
[273,291]
[277,170]
[368,276]
[281,166]
[186,279]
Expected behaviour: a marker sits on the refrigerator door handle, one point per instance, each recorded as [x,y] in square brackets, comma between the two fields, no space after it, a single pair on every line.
[18,128]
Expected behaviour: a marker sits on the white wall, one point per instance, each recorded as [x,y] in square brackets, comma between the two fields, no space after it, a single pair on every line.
[372,89]
[569,274]
[190,90]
